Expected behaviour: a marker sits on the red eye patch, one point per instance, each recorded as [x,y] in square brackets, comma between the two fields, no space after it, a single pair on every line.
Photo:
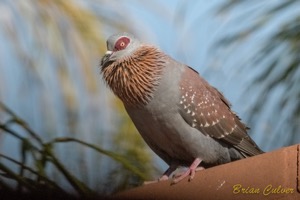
[122,43]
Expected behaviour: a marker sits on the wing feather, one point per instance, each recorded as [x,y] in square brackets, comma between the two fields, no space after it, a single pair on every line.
[205,108]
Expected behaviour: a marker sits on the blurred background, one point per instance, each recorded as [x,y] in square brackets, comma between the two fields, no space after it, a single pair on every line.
[53,97]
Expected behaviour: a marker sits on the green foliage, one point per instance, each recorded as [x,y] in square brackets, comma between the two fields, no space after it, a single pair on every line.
[276,58]
[56,46]
[34,178]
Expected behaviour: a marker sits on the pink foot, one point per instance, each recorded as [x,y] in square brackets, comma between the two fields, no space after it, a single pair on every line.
[165,175]
[190,172]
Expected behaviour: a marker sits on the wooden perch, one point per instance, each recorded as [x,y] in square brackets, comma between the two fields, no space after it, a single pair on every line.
[273,175]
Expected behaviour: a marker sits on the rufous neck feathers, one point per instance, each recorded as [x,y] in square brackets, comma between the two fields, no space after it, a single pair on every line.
[134,78]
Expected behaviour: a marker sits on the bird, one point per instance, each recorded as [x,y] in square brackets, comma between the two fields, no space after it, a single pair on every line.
[183,119]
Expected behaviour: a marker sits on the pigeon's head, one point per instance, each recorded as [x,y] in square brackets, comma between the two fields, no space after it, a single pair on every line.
[132,69]
[119,46]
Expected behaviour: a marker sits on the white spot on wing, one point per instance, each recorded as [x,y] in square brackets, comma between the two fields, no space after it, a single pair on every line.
[193,96]
[206,124]
[233,128]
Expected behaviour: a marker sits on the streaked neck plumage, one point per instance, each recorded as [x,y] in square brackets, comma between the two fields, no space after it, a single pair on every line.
[134,78]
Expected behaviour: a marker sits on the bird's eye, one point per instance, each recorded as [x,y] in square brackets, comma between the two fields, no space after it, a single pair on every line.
[122,43]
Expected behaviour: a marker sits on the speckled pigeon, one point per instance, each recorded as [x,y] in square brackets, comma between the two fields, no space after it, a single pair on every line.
[182,118]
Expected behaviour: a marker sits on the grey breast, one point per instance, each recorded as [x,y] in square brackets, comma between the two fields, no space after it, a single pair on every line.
[165,130]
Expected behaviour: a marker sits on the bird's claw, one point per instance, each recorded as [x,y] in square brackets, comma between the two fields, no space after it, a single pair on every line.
[162,178]
[191,171]
[180,176]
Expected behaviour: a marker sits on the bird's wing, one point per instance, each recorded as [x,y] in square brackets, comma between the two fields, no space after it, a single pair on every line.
[203,107]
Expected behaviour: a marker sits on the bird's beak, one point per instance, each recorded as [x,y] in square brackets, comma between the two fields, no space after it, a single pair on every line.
[108,52]
[106,58]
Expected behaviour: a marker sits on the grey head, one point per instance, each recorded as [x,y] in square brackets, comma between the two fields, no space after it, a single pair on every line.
[119,46]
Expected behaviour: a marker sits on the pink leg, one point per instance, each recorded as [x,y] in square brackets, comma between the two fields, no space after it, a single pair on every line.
[190,172]
[165,175]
